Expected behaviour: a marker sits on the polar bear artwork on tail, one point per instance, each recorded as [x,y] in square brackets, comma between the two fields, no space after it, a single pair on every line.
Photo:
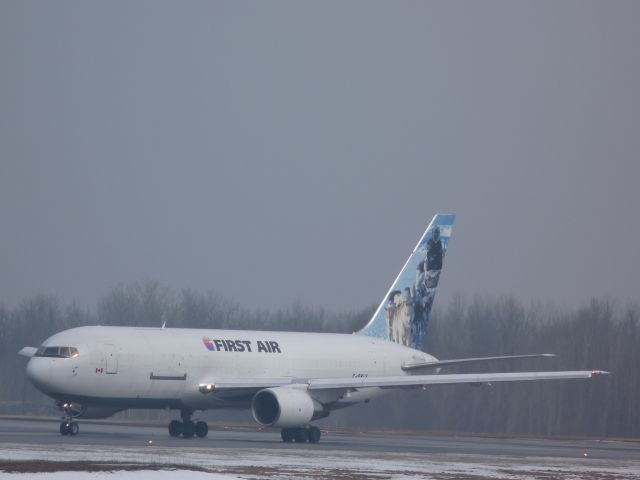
[403,315]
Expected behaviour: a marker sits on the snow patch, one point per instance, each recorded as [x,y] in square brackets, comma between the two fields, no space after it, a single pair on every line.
[225,463]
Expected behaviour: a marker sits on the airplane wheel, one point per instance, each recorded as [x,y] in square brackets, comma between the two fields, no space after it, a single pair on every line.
[74,429]
[314,434]
[64,428]
[188,429]
[175,428]
[300,435]
[201,429]
[287,435]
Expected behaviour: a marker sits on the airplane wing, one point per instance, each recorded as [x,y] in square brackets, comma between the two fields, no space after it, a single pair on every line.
[423,380]
[458,361]
[401,381]
[247,383]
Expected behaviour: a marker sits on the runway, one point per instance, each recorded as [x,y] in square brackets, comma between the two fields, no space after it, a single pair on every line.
[45,431]
[369,454]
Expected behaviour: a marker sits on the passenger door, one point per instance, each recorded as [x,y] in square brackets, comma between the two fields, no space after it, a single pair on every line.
[111,359]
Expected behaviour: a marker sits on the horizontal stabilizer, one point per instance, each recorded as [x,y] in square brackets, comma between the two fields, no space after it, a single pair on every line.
[459,361]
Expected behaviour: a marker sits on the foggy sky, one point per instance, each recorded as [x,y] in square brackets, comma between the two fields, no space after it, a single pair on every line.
[295,151]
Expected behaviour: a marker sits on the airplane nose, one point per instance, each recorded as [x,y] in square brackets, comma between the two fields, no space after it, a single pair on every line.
[39,373]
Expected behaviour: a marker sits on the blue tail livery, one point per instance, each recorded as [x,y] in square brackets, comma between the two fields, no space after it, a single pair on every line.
[403,314]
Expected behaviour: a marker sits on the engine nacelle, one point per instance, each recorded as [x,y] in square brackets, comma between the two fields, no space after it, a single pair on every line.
[284,407]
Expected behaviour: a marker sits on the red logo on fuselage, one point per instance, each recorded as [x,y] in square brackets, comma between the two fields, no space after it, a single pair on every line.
[208,343]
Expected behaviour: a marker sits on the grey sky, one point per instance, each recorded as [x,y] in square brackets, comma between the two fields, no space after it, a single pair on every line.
[282,151]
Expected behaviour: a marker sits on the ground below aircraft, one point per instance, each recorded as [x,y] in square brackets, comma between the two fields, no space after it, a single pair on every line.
[287,379]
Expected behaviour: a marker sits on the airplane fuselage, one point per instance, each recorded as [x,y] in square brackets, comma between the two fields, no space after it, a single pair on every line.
[129,367]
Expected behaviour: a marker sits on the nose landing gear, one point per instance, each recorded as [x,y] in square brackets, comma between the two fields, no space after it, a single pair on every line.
[69,411]
[187,428]
[67,427]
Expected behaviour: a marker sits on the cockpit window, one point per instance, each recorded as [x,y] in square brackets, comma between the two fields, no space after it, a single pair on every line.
[59,352]
[68,352]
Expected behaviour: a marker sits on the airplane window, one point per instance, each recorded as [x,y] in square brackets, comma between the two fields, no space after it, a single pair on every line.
[52,352]
[59,352]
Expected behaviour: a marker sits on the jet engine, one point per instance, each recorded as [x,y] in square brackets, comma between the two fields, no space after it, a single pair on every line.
[285,407]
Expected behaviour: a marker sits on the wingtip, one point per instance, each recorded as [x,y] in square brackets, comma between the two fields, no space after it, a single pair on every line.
[595,373]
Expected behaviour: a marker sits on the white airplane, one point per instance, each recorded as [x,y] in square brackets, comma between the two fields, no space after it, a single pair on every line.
[287,379]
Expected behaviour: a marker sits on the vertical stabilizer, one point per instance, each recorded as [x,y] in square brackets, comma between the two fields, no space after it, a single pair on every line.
[403,315]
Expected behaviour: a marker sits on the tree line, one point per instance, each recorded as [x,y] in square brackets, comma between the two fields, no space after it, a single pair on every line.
[602,334]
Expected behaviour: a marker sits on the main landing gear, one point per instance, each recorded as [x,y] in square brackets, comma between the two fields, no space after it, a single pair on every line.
[309,434]
[187,428]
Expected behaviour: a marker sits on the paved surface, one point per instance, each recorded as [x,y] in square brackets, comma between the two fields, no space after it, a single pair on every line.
[96,434]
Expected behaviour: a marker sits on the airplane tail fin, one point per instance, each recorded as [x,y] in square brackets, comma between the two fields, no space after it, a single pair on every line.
[403,314]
